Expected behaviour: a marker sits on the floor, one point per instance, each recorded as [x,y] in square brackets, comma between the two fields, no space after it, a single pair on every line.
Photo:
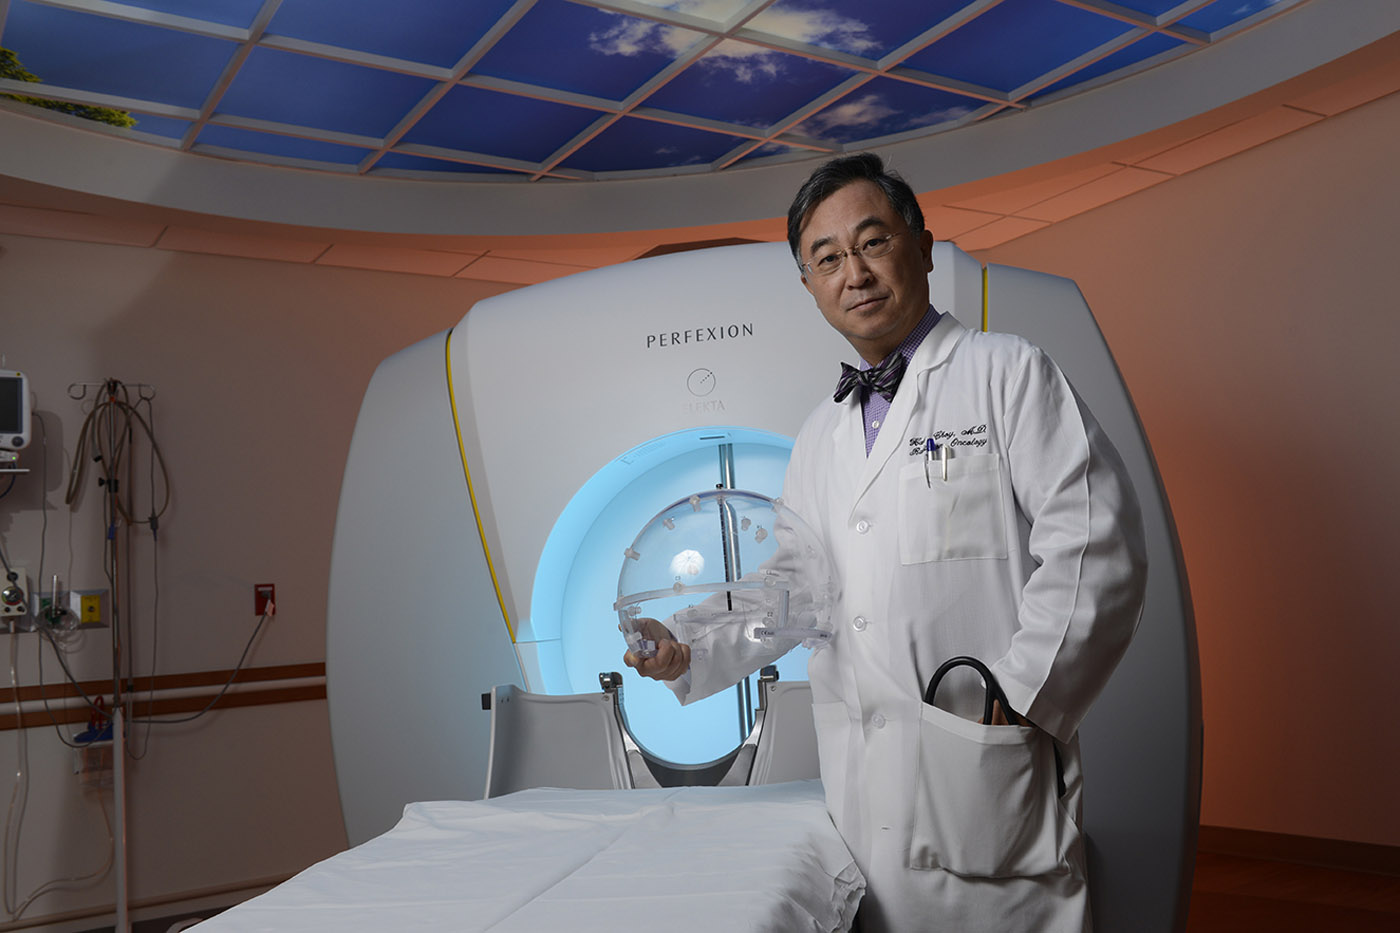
[1244,895]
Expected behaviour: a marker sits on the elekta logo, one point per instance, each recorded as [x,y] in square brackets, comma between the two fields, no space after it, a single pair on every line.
[676,338]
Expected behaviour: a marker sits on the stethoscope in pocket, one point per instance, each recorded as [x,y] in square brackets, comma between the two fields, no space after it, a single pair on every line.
[991,696]
[993,692]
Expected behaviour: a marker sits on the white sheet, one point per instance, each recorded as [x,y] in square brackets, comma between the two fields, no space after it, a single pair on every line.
[698,858]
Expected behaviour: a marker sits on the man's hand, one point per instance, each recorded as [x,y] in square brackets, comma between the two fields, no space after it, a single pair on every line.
[672,658]
[999,717]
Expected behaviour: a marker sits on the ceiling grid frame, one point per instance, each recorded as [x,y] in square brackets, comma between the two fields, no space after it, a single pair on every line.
[739,27]
[235,62]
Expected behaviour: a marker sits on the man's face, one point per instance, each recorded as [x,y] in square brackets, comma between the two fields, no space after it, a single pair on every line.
[873,303]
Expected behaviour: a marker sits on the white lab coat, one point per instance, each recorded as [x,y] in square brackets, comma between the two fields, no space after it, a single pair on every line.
[1029,557]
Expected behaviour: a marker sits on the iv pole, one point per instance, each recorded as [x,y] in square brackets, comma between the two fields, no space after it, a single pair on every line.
[119,712]
[123,923]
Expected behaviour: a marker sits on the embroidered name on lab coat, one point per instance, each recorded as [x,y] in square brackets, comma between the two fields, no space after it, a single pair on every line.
[975,436]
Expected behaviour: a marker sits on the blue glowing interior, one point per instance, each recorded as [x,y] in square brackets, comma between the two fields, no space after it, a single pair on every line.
[573,627]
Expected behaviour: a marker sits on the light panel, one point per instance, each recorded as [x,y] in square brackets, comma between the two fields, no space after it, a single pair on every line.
[1119,61]
[632,144]
[1222,14]
[109,56]
[885,107]
[321,94]
[1016,41]
[580,89]
[427,31]
[238,13]
[870,30]
[741,83]
[163,126]
[570,47]
[475,120]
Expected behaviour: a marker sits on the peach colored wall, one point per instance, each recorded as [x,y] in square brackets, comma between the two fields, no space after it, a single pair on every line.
[1252,308]
[259,369]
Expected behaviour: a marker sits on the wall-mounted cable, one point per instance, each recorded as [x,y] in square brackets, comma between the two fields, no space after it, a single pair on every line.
[228,683]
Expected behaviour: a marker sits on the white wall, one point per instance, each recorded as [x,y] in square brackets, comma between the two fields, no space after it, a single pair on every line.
[259,368]
[1251,307]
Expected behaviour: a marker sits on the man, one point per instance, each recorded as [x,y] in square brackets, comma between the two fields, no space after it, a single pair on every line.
[1029,556]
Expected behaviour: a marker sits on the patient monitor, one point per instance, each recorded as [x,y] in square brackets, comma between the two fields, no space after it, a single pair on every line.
[499,471]
[14,410]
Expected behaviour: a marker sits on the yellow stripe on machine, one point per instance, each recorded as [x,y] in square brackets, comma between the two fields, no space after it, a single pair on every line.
[985,279]
[471,492]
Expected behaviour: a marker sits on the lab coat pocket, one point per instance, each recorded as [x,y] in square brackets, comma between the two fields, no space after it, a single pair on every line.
[959,518]
[985,801]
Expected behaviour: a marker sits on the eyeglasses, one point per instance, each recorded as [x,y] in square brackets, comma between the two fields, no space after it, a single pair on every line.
[831,261]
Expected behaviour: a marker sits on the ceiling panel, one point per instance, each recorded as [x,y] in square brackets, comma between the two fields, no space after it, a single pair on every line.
[773,151]
[111,56]
[577,48]
[1017,41]
[883,107]
[1149,46]
[163,126]
[585,88]
[238,13]
[1225,13]
[858,27]
[631,144]
[476,120]
[427,31]
[321,94]
[746,84]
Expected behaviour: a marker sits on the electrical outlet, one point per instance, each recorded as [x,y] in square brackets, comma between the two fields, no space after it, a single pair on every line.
[89,606]
[264,599]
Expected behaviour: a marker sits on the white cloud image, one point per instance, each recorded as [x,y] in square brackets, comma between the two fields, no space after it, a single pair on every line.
[746,63]
[628,36]
[715,10]
[868,111]
[817,27]
[934,117]
[768,149]
[870,115]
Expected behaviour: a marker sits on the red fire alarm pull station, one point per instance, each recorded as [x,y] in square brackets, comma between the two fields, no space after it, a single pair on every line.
[264,599]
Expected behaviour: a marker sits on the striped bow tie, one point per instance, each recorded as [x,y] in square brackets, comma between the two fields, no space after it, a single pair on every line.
[883,378]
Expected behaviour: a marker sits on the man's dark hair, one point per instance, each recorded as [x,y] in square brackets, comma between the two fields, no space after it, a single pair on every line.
[832,176]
